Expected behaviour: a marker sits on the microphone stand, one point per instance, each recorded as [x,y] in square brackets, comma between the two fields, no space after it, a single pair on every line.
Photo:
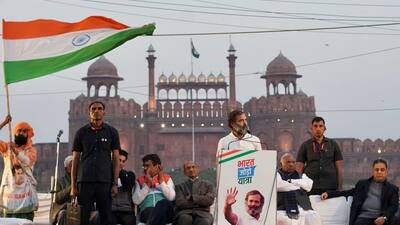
[53,182]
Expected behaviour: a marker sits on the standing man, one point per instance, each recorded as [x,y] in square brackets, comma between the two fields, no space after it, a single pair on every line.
[321,159]
[22,155]
[239,137]
[254,202]
[375,200]
[95,166]
[122,205]
[193,198]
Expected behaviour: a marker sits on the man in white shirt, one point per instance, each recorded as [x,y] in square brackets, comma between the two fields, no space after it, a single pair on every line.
[239,137]
[293,203]
[254,202]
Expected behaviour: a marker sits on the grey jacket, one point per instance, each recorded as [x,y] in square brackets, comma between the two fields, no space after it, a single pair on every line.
[62,197]
[203,194]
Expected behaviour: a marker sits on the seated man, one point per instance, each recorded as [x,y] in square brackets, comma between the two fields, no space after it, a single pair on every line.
[58,214]
[194,198]
[375,200]
[122,205]
[292,199]
[154,192]
[397,183]
[58,210]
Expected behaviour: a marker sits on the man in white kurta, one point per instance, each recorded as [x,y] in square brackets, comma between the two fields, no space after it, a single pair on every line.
[239,137]
[291,184]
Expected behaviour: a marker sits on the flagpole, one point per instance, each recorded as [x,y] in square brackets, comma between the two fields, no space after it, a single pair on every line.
[191,99]
[193,152]
[9,151]
[7,93]
[8,111]
[191,57]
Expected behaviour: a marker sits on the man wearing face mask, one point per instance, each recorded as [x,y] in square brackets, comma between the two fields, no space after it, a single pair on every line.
[239,137]
[22,155]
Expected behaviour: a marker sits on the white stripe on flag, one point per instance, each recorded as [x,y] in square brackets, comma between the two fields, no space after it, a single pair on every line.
[37,48]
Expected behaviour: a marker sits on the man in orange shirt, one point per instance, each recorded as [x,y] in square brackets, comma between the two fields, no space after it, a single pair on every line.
[23,155]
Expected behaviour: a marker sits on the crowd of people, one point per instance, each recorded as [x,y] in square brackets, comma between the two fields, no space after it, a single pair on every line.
[95,178]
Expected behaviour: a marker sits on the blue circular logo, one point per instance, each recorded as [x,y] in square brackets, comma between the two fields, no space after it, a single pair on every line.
[81,40]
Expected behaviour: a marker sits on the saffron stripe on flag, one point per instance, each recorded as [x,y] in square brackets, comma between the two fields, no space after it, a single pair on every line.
[28,69]
[245,152]
[44,28]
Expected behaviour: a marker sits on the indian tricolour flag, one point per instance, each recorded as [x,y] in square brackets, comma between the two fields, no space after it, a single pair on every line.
[37,48]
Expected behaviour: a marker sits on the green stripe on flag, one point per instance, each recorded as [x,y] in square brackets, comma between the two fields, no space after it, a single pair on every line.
[28,69]
[236,156]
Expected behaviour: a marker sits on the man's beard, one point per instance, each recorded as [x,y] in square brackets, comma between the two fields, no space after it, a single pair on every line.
[241,130]
[254,211]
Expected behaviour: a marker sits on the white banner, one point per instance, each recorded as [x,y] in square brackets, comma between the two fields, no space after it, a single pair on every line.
[248,173]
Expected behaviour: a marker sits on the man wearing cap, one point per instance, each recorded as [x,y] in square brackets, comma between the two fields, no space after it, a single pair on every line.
[58,210]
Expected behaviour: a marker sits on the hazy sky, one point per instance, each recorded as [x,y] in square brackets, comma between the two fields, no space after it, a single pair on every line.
[370,81]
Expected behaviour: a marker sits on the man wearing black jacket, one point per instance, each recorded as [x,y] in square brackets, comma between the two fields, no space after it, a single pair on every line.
[375,200]
[122,205]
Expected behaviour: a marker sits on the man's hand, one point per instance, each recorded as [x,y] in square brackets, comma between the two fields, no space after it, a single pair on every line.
[149,180]
[231,196]
[189,198]
[7,120]
[324,196]
[160,174]
[73,193]
[13,148]
[379,221]
[114,190]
